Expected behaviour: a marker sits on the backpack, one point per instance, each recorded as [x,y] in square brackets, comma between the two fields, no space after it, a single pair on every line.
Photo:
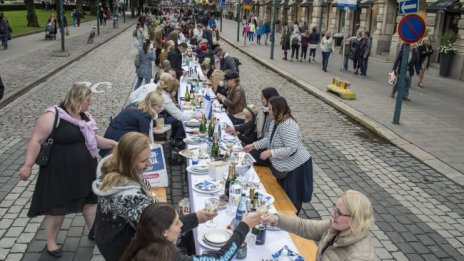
[295,41]
[137,60]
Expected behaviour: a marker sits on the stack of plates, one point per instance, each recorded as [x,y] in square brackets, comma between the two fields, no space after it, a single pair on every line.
[215,238]
[198,169]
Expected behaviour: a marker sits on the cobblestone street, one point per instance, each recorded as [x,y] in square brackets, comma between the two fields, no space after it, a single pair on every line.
[419,213]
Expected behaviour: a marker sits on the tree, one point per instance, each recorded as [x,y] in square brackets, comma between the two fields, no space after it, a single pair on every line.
[31,16]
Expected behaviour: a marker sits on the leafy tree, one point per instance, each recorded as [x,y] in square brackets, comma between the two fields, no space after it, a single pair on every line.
[31,15]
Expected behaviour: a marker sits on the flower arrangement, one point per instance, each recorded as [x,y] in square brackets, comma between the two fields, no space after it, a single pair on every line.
[447,42]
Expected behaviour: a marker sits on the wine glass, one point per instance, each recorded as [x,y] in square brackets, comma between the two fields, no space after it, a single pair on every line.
[211,206]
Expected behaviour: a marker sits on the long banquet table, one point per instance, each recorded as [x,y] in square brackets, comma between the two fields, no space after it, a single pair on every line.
[275,240]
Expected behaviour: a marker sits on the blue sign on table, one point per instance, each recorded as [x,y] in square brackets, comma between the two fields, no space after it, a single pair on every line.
[411,28]
[408,6]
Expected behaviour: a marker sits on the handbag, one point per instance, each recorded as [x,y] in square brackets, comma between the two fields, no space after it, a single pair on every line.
[46,147]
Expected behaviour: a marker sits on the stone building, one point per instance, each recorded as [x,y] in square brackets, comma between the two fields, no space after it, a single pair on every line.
[379,17]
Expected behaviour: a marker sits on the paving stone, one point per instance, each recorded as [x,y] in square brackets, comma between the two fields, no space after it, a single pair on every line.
[25,237]
[31,257]
[71,244]
[7,242]
[75,232]
[14,231]
[14,257]
[5,223]
[3,253]
[18,248]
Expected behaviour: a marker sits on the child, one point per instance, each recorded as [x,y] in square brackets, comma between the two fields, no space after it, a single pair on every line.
[259,32]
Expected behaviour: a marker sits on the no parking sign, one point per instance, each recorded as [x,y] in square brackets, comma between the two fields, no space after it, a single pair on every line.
[411,28]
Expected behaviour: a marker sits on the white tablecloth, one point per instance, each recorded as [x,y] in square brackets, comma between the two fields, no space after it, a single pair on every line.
[275,240]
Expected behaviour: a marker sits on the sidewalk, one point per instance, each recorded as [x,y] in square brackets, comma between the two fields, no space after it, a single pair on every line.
[31,59]
[431,125]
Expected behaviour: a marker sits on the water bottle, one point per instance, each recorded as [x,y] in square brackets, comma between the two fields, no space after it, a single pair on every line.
[241,209]
[235,193]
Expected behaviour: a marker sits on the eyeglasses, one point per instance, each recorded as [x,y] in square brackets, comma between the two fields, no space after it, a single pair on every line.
[337,212]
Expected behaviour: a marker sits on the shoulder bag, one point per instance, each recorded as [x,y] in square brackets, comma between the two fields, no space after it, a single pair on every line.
[46,147]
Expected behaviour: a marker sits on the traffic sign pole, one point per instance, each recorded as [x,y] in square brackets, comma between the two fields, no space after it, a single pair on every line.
[401,84]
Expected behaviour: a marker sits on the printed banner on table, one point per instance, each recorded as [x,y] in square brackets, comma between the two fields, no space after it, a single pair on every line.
[351,4]
[157,174]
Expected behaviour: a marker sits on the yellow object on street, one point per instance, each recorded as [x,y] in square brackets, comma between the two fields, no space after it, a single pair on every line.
[340,87]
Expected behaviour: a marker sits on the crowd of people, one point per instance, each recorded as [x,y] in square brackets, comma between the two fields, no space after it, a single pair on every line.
[126,221]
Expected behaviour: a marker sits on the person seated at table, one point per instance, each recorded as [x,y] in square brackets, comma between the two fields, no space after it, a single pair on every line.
[174,56]
[344,237]
[123,194]
[168,87]
[159,228]
[246,132]
[290,161]
[136,116]
[235,101]
[203,52]
[215,78]
[227,62]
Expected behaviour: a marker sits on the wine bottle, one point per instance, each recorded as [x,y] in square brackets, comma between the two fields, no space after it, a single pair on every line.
[230,178]
[215,147]
[187,94]
[211,128]
[203,124]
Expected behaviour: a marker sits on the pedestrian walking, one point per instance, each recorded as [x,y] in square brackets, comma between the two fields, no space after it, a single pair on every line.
[5,32]
[295,40]
[266,30]
[78,17]
[355,52]
[74,17]
[345,51]
[314,38]
[138,36]
[252,31]
[365,51]
[64,182]
[145,70]
[304,45]
[259,33]
[285,41]
[413,64]
[327,47]
[425,51]
[102,16]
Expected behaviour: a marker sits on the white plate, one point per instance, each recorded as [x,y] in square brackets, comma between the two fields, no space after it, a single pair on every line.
[217,236]
[199,187]
[228,138]
[196,172]
[192,123]
[193,140]
[200,167]
[205,245]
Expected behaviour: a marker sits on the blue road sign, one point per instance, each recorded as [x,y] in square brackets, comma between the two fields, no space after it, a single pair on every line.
[408,6]
[222,6]
[411,28]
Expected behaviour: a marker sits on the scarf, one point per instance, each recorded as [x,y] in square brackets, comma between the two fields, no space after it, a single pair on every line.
[260,121]
[88,128]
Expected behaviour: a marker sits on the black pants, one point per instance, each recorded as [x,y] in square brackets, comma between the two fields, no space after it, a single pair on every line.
[157,53]
[312,52]
[295,47]
[304,51]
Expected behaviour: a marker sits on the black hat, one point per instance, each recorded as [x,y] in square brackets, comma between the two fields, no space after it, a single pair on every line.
[231,75]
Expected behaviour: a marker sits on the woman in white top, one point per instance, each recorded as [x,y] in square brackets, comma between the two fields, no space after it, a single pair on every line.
[168,87]
[295,41]
[327,46]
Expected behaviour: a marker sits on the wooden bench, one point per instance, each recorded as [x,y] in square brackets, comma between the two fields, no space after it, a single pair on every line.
[307,248]
[160,193]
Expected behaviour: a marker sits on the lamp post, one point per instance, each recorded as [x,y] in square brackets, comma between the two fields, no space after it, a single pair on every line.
[124,10]
[238,20]
[274,17]
[98,17]
[62,25]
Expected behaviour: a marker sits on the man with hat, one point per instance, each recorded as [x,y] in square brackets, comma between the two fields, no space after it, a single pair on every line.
[235,101]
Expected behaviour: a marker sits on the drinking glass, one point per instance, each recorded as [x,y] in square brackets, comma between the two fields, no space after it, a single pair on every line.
[211,206]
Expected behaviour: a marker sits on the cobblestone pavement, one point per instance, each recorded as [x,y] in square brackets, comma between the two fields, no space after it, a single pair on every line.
[419,213]
[432,121]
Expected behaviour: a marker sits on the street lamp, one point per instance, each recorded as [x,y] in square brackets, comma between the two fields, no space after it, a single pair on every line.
[62,24]
[274,17]
[238,20]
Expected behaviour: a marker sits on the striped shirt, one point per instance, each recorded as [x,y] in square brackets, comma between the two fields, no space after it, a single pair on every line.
[287,148]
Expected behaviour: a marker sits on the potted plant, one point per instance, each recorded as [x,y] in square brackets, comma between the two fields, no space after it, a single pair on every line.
[447,51]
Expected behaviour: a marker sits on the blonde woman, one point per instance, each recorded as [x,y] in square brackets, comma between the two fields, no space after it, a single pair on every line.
[168,87]
[137,117]
[123,195]
[64,184]
[345,236]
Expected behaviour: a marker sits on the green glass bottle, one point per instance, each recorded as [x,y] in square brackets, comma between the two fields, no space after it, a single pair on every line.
[203,124]
[215,147]
[211,128]
[187,94]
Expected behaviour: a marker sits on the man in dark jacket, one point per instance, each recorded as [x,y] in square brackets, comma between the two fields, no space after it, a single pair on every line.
[175,58]
[227,62]
[365,51]
[208,35]
[412,65]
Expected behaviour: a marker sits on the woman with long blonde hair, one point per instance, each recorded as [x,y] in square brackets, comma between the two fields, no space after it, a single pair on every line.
[137,117]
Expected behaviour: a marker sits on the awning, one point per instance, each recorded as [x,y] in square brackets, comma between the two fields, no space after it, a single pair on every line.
[444,5]
[366,4]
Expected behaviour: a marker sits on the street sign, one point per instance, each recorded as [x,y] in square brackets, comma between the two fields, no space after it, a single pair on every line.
[408,6]
[222,6]
[411,28]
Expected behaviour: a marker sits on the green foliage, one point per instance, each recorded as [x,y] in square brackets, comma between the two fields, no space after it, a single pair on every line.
[447,42]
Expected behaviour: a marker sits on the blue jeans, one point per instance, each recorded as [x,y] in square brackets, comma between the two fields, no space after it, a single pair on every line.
[139,82]
[363,65]
[325,60]
[5,41]
[250,36]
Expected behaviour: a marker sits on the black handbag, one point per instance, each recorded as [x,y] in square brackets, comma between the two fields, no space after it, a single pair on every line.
[46,147]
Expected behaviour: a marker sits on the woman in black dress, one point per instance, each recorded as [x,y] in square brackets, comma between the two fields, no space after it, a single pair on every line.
[64,185]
